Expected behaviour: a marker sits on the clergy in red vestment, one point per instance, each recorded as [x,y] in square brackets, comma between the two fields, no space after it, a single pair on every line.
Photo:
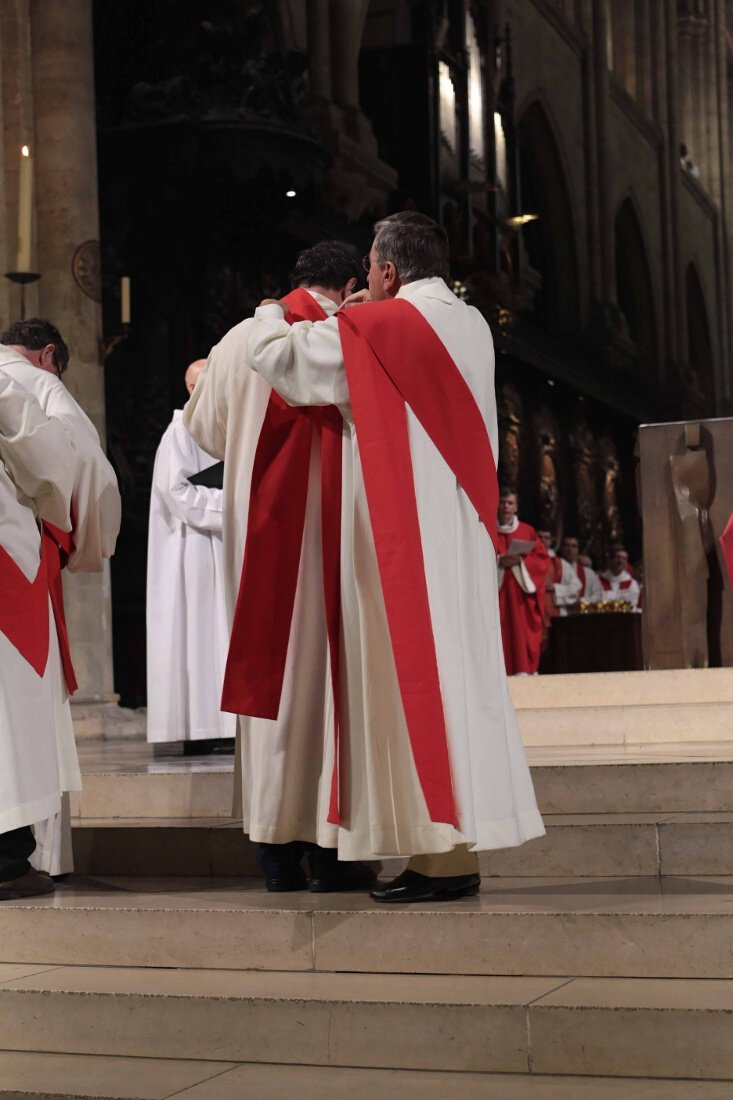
[429,761]
[523,566]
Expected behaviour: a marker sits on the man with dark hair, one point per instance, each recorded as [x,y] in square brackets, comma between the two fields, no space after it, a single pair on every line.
[286,762]
[590,586]
[330,264]
[429,760]
[40,342]
[36,357]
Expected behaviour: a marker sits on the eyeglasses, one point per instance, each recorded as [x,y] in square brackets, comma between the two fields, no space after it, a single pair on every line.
[366,263]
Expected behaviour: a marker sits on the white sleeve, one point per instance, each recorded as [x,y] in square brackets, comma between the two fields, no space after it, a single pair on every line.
[96,506]
[36,454]
[593,587]
[195,505]
[303,362]
[567,592]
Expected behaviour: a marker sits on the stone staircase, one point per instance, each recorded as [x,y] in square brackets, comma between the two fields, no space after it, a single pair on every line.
[597,963]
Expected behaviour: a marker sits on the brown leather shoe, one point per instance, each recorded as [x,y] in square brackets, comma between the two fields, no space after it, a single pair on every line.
[30,885]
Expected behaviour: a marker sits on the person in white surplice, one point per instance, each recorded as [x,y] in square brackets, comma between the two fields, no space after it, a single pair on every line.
[395,797]
[36,356]
[187,628]
[37,760]
[285,764]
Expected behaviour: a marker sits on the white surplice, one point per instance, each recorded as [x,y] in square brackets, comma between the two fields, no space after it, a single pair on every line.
[593,590]
[566,592]
[285,765]
[38,468]
[383,806]
[623,587]
[95,512]
[188,634]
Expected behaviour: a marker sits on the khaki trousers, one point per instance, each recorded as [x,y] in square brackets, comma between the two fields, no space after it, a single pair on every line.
[446,864]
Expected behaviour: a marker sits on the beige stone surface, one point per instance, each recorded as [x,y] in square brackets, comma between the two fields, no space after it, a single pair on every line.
[334,1083]
[704,844]
[185,794]
[609,689]
[349,1019]
[586,846]
[10,971]
[569,926]
[626,724]
[642,1027]
[85,1075]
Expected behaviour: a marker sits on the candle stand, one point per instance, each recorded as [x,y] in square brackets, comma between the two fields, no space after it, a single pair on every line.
[107,344]
[22,278]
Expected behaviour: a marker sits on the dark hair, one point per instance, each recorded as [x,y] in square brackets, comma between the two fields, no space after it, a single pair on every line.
[507,491]
[34,334]
[329,264]
[414,243]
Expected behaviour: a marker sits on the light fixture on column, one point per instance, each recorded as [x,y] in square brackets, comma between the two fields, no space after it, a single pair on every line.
[518,220]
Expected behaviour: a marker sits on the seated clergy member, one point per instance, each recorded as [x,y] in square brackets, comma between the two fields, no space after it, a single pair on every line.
[187,627]
[286,757]
[617,582]
[590,586]
[36,356]
[561,584]
[523,567]
[429,760]
[38,468]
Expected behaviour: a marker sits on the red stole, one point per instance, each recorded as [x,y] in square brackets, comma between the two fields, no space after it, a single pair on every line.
[258,647]
[556,578]
[24,604]
[24,609]
[382,382]
[608,587]
[580,571]
[57,547]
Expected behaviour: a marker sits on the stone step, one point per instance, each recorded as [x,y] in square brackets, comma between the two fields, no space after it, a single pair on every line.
[583,845]
[646,785]
[24,1074]
[677,928]
[585,1026]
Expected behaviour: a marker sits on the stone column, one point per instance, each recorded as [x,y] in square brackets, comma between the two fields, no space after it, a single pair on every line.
[67,220]
[319,50]
[347,28]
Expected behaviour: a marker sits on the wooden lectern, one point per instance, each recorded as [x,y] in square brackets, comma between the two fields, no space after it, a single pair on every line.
[686,494]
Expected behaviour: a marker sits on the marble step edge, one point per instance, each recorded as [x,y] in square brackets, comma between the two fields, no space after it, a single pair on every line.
[608,942]
[599,1027]
[657,786]
[578,846]
[159,1079]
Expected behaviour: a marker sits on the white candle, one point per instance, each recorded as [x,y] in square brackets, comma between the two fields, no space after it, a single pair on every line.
[125,300]
[25,210]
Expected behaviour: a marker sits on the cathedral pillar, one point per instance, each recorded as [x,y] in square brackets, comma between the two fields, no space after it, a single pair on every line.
[67,253]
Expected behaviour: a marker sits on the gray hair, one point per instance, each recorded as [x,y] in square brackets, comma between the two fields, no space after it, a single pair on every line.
[414,243]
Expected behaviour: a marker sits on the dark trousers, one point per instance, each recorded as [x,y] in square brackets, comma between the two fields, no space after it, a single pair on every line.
[283,859]
[15,848]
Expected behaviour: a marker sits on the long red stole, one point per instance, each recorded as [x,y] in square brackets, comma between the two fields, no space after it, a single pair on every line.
[24,604]
[580,573]
[255,667]
[608,587]
[382,382]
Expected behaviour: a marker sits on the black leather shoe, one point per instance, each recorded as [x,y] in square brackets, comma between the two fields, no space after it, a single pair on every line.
[341,878]
[411,886]
[286,883]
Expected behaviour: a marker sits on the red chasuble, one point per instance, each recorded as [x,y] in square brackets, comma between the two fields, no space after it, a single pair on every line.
[522,613]
[382,343]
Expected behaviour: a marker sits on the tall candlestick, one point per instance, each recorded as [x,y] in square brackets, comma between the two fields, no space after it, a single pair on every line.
[25,210]
[125,300]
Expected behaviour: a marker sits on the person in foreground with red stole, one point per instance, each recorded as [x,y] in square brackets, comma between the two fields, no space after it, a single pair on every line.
[429,759]
[523,566]
[37,473]
[284,760]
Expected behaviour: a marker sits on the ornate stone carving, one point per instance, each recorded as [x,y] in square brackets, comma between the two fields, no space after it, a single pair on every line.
[510,425]
[582,449]
[545,432]
[86,268]
[609,468]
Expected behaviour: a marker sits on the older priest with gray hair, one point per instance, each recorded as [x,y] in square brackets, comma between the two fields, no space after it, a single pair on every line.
[429,761]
